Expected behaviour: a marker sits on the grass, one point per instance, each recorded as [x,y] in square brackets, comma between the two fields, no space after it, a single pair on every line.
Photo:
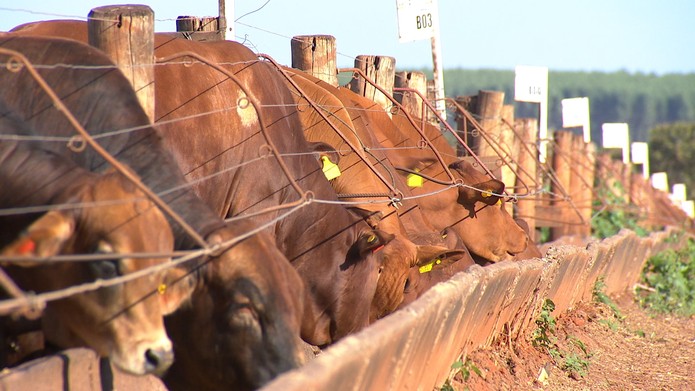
[668,282]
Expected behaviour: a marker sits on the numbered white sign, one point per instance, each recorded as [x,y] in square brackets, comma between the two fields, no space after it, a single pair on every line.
[417,19]
[531,84]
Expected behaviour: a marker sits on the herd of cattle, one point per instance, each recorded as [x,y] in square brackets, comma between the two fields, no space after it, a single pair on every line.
[237,143]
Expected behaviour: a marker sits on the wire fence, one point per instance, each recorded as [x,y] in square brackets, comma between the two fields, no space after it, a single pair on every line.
[537,191]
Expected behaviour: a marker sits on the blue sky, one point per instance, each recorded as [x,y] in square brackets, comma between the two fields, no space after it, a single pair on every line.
[645,36]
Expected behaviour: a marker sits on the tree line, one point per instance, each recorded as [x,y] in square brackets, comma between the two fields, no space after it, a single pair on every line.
[643,101]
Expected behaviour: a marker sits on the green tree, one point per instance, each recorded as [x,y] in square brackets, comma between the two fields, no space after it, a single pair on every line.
[672,150]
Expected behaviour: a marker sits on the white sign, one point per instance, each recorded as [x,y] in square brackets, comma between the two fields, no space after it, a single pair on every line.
[531,84]
[678,193]
[575,112]
[660,181]
[417,19]
[617,135]
[689,208]
[640,155]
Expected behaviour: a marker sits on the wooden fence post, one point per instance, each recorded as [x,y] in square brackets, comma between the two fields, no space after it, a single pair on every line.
[200,29]
[410,101]
[316,55]
[463,126]
[489,116]
[381,70]
[432,96]
[583,183]
[528,172]
[126,34]
[509,146]
[562,161]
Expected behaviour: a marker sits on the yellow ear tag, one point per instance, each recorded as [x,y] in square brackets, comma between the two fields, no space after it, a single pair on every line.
[486,193]
[428,267]
[499,202]
[162,288]
[414,180]
[330,170]
[371,239]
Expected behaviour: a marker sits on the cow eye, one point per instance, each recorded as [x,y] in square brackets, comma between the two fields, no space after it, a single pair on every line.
[105,268]
[244,315]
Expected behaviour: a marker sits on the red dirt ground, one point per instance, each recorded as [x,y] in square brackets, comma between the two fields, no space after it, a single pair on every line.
[639,352]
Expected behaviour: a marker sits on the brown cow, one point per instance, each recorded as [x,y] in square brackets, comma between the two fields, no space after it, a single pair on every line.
[337,254]
[356,178]
[483,223]
[123,322]
[243,328]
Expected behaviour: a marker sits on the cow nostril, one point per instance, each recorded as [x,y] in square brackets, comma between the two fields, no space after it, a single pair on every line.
[158,359]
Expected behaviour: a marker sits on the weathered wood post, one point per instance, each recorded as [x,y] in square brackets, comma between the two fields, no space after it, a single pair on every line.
[199,28]
[192,23]
[489,112]
[432,97]
[527,181]
[381,70]
[126,34]
[464,127]
[563,181]
[509,146]
[316,55]
[411,102]
[583,183]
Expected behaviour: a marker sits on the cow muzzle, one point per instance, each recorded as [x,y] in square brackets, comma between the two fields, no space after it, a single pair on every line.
[146,357]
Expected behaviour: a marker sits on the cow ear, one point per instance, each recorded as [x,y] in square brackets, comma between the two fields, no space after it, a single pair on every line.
[373,241]
[430,256]
[45,237]
[487,192]
[320,149]
[175,290]
[373,218]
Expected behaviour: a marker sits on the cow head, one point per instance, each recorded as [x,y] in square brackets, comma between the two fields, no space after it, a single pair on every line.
[124,321]
[422,278]
[398,258]
[242,324]
[484,225]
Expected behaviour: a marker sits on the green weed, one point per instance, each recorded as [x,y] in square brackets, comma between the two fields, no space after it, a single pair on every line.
[466,368]
[668,282]
[544,335]
[600,296]
[612,213]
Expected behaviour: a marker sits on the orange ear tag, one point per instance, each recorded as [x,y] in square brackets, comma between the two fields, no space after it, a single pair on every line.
[330,169]
[26,247]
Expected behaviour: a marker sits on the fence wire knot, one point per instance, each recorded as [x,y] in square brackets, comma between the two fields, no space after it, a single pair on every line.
[77,144]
